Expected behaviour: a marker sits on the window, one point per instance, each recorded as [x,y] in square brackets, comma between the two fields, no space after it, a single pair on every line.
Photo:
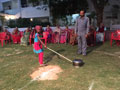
[24,3]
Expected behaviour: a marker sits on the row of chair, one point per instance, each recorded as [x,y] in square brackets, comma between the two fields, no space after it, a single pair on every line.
[16,38]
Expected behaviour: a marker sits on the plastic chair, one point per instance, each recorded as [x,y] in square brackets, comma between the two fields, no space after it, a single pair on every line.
[115,36]
[45,37]
[4,37]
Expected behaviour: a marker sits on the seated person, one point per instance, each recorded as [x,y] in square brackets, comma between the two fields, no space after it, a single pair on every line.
[90,37]
[100,33]
[63,36]
[16,35]
[16,31]
[67,30]
[72,37]
[49,30]
[57,33]
[25,38]
[8,34]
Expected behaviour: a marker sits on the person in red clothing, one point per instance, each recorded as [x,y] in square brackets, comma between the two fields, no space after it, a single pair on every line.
[102,28]
[57,33]
[67,30]
[16,35]
[37,48]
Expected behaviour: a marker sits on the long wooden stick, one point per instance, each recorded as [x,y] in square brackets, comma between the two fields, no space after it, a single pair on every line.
[55,51]
[59,54]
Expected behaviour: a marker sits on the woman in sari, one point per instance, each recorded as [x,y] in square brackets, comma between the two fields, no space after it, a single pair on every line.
[25,38]
[64,38]
[67,30]
[57,33]
[16,35]
[72,37]
[49,30]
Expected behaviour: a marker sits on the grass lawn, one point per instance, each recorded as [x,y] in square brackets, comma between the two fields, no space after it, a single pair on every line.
[101,70]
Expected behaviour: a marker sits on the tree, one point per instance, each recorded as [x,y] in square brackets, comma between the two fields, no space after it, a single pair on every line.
[2,19]
[99,8]
[36,2]
[61,8]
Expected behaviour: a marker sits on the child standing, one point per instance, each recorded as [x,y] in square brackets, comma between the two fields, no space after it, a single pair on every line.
[38,44]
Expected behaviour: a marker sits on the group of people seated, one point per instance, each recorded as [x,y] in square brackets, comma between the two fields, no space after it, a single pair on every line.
[58,35]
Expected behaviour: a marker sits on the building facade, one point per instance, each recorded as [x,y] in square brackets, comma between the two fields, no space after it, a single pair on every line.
[14,9]
[24,9]
[111,13]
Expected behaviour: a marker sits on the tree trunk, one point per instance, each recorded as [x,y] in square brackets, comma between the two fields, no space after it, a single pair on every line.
[99,8]
[99,15]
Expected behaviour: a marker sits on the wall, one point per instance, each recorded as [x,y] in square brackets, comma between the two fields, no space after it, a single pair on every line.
[14,4]
[30,12]
[38,11]
[1,7]
[107,12]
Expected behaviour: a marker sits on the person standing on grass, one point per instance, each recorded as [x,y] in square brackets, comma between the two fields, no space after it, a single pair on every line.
[81,30]
[38,44]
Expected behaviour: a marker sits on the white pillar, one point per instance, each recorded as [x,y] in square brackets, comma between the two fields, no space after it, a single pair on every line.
[19,7]
[1,6]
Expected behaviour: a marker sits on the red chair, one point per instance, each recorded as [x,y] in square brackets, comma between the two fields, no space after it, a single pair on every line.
[53,37]
[45,37]
[4,37]
[115,36]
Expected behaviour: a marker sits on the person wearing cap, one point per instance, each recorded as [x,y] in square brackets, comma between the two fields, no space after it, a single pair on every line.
[38,44]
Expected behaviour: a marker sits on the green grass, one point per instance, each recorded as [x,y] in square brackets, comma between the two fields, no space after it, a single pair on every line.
[100,68]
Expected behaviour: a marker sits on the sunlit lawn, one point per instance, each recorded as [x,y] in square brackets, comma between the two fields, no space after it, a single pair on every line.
[101,70]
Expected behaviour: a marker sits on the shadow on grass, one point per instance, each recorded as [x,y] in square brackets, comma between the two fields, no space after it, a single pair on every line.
[51,55]
[90,49]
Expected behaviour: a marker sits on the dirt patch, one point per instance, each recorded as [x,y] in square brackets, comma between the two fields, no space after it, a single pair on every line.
[19,52]
[118,53]
[15,53]
[8,54]
[46,73]
[1,60]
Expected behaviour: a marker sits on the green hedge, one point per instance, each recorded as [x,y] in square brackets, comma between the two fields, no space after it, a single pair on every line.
[25,22]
